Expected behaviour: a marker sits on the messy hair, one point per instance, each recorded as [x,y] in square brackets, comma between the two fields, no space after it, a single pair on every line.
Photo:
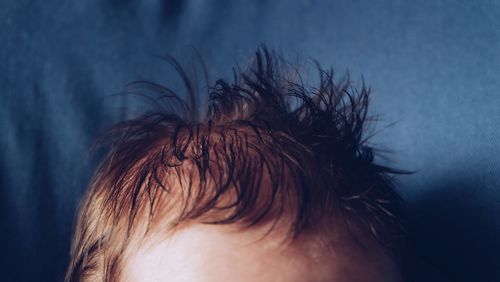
[265,147]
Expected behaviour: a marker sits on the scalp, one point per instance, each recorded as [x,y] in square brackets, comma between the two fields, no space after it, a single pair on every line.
[268,148]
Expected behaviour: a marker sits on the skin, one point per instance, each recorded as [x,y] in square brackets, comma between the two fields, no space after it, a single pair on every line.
[210,253]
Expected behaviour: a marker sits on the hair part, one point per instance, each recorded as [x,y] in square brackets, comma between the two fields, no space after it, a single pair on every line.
[268,146]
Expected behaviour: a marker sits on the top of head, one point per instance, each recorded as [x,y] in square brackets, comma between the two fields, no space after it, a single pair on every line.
[268,150]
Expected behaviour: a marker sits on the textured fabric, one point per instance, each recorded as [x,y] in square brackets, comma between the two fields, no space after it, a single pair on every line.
[434,67]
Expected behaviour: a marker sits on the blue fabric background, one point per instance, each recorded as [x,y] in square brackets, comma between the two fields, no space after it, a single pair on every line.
[434,67]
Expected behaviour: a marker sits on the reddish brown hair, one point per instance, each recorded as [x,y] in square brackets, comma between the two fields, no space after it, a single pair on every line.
[267,146]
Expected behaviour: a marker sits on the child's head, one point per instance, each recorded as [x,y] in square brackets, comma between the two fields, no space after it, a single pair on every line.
[275,182]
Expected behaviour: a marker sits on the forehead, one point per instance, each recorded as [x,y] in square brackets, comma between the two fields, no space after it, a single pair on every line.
[207,253]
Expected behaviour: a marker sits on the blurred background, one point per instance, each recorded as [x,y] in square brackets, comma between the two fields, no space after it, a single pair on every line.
[434,68]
